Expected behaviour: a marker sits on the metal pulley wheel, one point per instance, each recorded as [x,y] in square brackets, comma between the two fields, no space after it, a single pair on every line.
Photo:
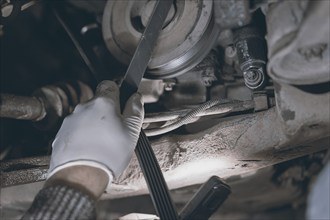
[188,35]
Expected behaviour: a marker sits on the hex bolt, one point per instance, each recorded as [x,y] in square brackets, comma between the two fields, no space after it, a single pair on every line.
[251,75]
[254,77]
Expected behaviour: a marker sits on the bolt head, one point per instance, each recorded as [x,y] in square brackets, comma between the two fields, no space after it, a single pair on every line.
[254,78]
[251,75]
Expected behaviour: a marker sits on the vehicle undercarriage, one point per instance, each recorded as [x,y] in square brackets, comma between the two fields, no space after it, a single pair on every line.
[236,89]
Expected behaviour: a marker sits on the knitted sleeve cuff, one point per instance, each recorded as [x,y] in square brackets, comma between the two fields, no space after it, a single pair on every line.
[61,202]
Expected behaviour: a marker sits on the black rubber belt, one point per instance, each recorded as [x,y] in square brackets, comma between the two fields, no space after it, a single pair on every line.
[156,183]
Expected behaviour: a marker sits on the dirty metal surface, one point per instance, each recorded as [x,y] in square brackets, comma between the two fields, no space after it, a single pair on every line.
[232,13]
[233,146]
[299,51]
[26,170]
[302,113]
[21,107]
[230,148]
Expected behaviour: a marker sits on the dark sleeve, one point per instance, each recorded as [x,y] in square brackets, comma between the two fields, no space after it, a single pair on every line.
[61,202]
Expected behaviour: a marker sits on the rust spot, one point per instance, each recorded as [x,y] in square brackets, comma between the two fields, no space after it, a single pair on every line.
[288,115]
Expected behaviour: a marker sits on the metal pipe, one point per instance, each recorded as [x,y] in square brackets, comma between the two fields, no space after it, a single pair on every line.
[21,107]
[49,103]
[232,106]
[212,107]
[186,119]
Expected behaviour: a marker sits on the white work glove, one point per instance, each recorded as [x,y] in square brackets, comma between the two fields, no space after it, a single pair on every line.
[97,134]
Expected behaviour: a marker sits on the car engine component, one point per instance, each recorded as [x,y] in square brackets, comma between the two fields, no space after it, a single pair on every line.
[184,41]
[251,52]
[236,89]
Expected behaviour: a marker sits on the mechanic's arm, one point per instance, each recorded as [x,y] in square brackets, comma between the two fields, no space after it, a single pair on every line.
[93,146]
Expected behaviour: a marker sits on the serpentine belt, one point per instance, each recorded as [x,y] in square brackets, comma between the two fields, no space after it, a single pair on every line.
[134,74]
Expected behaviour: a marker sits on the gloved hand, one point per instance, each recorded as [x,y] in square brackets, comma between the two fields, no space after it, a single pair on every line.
[97,134]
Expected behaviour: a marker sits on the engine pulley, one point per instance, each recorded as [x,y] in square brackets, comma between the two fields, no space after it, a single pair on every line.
[187,37]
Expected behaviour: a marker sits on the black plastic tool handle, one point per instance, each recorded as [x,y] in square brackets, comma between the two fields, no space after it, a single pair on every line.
[206,200]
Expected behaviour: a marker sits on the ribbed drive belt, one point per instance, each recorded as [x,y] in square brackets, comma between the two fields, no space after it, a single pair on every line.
[146,157]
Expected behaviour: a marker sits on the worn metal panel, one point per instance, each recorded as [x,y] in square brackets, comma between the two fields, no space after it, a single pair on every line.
[298,41]
[229,148]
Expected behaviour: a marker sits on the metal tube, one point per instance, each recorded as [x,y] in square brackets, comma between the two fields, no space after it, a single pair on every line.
[186,119]
[21,107]
[233,106]
[53,101]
